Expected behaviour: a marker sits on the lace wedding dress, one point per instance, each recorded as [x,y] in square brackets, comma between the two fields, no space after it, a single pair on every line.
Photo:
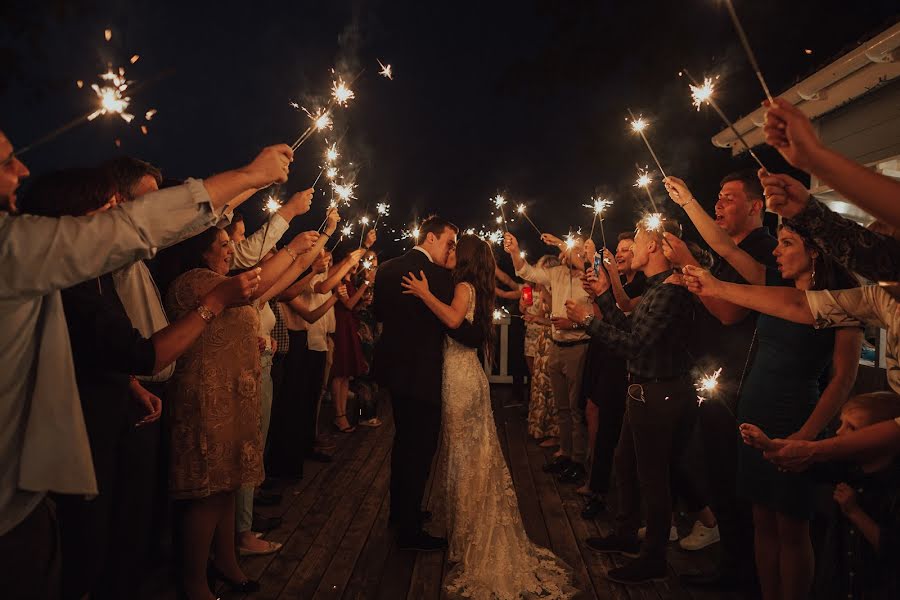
[491,554]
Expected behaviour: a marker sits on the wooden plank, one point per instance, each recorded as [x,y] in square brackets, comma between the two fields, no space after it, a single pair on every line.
[369,566]
[305,579]
[316,511]
[397,574]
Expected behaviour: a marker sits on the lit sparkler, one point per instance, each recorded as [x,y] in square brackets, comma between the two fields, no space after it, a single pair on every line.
[521,210]
[746,43]
[112,95]
[653,222]
[271,206]
[364,221]
[331,154]
[341,92]
[638,125]
[321,119]
[707,385]
[644,180]
[367,264]
[499,203]
[706,93]
[386,70]
[598,206]
[331,172]
[383,210]
[344,192]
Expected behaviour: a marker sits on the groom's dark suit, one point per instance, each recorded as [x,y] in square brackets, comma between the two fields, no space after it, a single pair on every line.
[409,362]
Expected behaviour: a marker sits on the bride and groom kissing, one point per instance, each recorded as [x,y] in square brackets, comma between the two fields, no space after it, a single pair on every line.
[436,306]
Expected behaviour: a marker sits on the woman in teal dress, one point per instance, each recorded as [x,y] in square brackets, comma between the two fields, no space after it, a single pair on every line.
[780,392]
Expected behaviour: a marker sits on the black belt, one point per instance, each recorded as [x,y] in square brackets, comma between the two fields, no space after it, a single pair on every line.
[642,380]
[572,343]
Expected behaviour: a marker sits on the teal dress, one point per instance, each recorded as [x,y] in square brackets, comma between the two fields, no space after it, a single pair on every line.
[779,393]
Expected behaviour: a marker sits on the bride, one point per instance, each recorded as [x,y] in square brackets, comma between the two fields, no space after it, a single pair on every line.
[492,553]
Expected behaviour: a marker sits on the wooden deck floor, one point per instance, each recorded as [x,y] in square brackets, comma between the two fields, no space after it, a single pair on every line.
[337,543]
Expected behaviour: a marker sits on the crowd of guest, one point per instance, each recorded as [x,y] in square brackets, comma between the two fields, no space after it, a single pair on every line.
[617,340]
[166,371]
[150,344]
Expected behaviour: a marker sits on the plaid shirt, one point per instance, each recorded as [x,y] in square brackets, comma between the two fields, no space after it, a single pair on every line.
[279,332]
[652,338]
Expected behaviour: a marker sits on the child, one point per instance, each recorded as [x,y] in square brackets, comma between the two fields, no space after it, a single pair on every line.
[860,557]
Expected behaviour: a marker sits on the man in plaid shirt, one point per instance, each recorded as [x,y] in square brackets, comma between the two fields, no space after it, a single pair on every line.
[661,403]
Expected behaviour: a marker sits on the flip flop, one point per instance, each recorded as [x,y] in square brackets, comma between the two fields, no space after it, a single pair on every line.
[271,548]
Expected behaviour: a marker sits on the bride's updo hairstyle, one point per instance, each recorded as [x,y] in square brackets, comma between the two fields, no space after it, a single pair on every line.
[475,264]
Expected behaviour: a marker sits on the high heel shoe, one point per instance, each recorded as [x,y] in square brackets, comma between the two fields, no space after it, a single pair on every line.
[248,586]
[348,429]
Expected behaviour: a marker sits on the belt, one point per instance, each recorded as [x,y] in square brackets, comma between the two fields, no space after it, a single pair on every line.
[641,380]
[572,343]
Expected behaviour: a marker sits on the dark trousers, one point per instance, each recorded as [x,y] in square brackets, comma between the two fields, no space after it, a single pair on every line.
[30,557]
[314,367]
[655,430]
[285,457]
[105,540]
[719,439]
[417,428]
[611,408]
[277,387]
[688,476]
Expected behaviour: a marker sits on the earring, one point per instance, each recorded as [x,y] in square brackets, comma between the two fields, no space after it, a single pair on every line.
[812,276]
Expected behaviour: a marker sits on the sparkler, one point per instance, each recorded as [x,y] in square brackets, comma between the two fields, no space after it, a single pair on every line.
[385,70]
[364,221]
[705,93]
[746,43]
[383,210]
[344,192]
[331,154]
[341,93]
[367,264]
[521,210]
[271,206]
[638,125]
[644,180]
[707,385]
[320,120]
[499,203]
[598,206]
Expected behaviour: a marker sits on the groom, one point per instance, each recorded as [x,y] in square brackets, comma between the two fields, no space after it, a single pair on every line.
[409,362]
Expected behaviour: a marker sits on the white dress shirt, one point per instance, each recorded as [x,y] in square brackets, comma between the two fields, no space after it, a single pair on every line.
[563,285]
[43,441]
[251,249]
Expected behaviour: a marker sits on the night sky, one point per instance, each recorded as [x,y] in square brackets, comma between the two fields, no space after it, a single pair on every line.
[527,97]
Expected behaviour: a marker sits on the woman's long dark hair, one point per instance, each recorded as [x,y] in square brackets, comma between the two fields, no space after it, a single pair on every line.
[183,257]
[829,273]
[475,264]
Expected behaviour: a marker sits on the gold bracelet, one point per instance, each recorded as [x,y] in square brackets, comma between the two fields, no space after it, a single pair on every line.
[290,252]
[205,313]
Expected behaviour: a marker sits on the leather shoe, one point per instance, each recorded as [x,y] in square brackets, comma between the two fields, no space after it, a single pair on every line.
[559,464]
[265,524]
[575,473]
[422,542]
[593,507]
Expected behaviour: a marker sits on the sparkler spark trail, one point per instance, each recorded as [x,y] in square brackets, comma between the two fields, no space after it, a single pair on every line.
[331,154]
[331,172]
[638,125]
[383,210]
[344,192]
[385,70]
[521,210]
[705,93]
[707,385]
[271,206]
[746,43]
[652,222]
[341,92]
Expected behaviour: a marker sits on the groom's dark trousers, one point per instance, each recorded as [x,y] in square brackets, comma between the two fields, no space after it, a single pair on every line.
[409,363]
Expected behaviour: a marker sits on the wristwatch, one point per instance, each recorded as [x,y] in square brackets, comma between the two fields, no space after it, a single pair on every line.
[205,313]
[587,321]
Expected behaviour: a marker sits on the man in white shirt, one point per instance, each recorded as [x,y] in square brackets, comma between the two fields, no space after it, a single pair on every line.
[43,442]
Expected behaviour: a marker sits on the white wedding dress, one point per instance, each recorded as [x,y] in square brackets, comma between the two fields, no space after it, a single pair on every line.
[491,555]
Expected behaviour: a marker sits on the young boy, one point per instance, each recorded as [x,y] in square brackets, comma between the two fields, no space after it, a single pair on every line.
[861,548]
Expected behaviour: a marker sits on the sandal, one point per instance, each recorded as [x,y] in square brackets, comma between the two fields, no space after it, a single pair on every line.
[347,429]
[271,548]
[373,422]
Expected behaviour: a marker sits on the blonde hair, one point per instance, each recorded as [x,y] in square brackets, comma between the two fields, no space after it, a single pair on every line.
[878,406]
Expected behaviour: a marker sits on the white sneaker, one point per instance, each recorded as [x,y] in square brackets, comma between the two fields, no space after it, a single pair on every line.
[700,537]
[673,533]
